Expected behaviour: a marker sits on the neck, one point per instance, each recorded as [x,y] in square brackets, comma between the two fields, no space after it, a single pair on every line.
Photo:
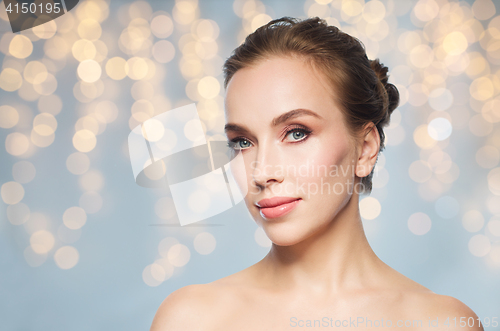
[334,259]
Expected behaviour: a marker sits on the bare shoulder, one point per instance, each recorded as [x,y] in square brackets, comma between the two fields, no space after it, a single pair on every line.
[200,307]
[446,312]
[188,308]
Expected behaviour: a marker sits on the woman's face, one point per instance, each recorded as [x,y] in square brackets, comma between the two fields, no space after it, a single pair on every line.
[306,156]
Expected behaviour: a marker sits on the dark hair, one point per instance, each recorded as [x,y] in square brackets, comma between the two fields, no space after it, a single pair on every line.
[361,84]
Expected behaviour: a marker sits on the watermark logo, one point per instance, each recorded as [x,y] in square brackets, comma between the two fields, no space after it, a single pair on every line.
[170,150]
[26,14]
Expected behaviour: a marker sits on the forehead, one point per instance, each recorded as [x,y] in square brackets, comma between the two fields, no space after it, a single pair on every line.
[276,85]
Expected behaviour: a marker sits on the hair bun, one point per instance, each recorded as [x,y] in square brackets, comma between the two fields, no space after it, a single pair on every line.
[391,95]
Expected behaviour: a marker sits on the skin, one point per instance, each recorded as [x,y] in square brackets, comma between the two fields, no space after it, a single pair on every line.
[320,263]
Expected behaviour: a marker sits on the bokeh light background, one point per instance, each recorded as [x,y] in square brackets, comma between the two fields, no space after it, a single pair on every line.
[85,248]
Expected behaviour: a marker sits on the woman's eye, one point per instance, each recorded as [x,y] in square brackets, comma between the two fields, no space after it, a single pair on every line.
[239,143]
[297,134]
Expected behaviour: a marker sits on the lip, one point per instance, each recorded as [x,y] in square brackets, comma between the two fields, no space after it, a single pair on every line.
[277,206]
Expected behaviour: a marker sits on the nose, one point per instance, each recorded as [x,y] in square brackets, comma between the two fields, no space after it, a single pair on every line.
[267,168]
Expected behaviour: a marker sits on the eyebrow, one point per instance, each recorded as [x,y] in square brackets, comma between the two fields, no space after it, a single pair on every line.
[276,121]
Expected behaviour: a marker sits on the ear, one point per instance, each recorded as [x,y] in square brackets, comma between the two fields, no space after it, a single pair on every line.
[367,156]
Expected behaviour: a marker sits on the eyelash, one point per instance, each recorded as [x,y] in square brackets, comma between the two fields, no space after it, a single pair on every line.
[233,142]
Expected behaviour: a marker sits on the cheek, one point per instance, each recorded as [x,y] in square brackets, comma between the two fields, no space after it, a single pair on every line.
[330,163]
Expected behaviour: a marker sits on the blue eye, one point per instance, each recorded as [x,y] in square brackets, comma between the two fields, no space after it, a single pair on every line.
[298,134]
[236,143]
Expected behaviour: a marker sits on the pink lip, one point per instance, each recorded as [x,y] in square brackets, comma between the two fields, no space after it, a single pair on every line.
[277,206]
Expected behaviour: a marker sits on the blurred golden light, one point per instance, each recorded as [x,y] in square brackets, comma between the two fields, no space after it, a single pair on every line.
[440,99]
[16,143]
[163,51]
[45,83]
[491,110]
[91,202]
[260,20]
[89,29]
[162,26]
[74,218]
[374,11]
[190,67]
[89,123]
[192,130]
[483,9]
[84,140]
[136,68]
[478,65]
[20,46]
[440,162]
[34,68]
[206,50]
[83,49]
[66,257]
[78,163]
[45,124]
[377,31]
[494,181]
[408,40]
[142,90]
[208,87]
[184,12]
[419,223]
[482,88]
[426,10]
[449,176]
[108,110]
[317,9]
[89,71]
[207,30]
[488,157]
[153,275]
[92,180]
[42,241]
[421,56]
[455,43]
[9,117]
[179,255]
[420,171]
[10,79]
[352,7]
[204,243]
[153,130]
[457,63]
[422,138]
[56,47]
[369,208]
[46,30]
[115,68]
[41,140]
[12,192]
[479,245]
[418,94]
[142,110]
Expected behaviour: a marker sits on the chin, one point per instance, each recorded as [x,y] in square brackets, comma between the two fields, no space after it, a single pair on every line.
[285,233]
